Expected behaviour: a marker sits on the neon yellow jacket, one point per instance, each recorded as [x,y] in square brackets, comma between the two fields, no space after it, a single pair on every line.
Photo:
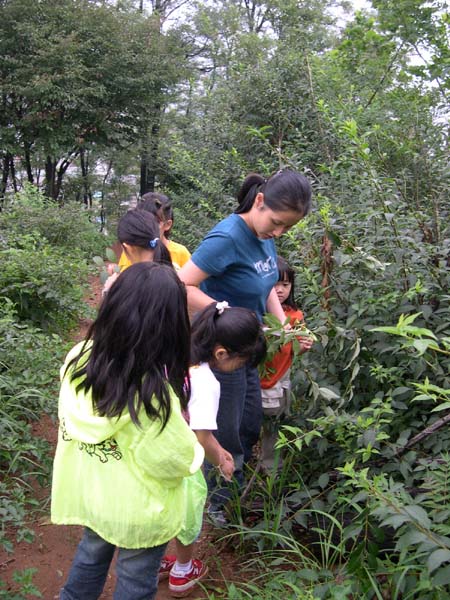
[124,482]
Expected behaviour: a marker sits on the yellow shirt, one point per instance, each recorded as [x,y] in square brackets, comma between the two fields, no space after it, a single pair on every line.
[178,253]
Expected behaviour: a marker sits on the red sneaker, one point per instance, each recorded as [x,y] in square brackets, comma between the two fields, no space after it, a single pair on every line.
[182,585]
[166,564]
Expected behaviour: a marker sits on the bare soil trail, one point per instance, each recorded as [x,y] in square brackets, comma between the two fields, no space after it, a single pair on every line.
[54,546]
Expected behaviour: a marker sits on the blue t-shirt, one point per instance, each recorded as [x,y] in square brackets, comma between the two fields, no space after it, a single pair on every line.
[242,268]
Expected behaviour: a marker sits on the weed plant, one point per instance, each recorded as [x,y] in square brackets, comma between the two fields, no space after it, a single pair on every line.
[67,227]
[366,515]
[28,389]
[45,250]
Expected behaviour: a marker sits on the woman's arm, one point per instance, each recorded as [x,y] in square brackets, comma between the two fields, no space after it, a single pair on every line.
[192,277]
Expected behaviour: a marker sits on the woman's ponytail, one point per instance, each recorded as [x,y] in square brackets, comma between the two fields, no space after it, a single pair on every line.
[252,185]
[284,190]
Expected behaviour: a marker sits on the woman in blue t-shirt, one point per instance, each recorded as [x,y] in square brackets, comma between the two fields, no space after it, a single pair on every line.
[237,262]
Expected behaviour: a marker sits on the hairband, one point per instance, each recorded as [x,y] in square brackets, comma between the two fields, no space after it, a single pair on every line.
[152,243]
[221,306]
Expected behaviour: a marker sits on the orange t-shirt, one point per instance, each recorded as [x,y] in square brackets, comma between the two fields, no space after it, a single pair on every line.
[280,363]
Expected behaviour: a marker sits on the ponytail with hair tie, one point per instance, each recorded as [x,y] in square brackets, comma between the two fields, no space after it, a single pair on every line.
[285,190]
[221,306]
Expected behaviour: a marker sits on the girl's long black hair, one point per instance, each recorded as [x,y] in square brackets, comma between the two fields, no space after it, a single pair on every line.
[287,273]
[130,361]
[236,329]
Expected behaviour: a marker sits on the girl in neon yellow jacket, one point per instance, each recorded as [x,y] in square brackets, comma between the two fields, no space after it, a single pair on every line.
[123,445]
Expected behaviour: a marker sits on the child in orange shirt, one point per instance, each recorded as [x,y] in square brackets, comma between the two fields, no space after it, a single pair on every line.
[276,384]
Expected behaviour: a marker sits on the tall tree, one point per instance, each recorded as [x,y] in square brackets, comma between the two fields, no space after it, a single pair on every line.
[167,53]
[75,74]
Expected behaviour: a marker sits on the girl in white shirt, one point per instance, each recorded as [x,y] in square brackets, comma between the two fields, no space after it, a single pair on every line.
[222,339]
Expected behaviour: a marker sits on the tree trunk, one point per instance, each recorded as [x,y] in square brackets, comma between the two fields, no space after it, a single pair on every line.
[102,204]
[84,163]
[150,141]
[50,176]
[27,159]
[12,168]
[149,159]
[5,174]
[60,172]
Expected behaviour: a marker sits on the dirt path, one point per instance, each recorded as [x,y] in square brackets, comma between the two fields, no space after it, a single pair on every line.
[52,550]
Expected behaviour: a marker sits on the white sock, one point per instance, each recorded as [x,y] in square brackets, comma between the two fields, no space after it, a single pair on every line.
[181,568]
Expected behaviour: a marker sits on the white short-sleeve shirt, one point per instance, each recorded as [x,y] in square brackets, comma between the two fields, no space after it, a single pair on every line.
[204,402]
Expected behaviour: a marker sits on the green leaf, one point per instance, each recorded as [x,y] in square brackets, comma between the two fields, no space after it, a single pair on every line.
[410,538]
[396,521]
[328,394]
[419,514]
[323,480]
[442,577]
[421,345]
[111,255]
[401,390]
[98,260]
[436,559]
[308,574]
[443,406]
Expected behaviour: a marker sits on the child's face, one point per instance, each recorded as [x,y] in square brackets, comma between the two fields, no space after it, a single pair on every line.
[164,227]
[283,289]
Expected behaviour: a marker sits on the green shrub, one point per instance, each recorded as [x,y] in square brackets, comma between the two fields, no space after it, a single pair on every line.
[67,227]
[29,365]
[30,358]
[44,285]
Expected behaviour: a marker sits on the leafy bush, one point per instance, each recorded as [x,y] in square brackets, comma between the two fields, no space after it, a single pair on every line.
[30,358]
[43,285]
[29,365]
[67,227]
[41,293]
[24,585]
[363,495]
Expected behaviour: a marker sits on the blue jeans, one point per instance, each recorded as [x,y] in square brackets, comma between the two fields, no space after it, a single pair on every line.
[137,570]
[239,422]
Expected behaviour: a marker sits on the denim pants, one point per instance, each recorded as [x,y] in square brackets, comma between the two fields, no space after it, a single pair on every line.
[239,421]
[137,570]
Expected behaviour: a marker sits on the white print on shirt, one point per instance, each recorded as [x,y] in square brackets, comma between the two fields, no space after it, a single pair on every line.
[265,266]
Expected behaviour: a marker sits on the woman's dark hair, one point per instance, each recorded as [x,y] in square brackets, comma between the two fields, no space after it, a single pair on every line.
[159,205]
[236,329]
[141,228]
[285,190]
[287,273]
[130,361]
